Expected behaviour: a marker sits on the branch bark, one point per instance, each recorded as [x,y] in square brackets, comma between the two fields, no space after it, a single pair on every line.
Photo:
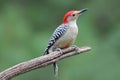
[40,62]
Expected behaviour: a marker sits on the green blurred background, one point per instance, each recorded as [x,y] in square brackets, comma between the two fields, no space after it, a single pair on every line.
[26,26]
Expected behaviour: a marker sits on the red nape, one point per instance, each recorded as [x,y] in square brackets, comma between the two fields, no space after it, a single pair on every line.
[66,16]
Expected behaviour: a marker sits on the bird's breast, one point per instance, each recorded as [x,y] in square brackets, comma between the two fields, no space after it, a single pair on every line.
[68,38]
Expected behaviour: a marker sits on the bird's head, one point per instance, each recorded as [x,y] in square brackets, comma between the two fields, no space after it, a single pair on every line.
[72,15]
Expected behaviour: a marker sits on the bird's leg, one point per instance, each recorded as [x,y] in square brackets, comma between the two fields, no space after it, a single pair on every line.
[74,46]
[58,49]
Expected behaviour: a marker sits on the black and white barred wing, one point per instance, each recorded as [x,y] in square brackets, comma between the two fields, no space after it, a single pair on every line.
[55,36]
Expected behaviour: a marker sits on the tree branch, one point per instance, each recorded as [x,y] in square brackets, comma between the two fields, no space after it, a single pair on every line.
[40,62]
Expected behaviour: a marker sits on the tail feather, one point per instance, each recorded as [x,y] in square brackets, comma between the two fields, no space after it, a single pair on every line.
[54,64]
[55,69]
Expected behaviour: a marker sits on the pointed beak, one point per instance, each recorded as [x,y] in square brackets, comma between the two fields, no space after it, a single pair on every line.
[82,11]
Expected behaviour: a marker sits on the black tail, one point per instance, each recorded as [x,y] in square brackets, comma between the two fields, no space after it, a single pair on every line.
[54,64]
[55,69]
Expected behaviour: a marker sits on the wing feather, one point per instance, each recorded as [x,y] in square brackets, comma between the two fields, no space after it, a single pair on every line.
[55,36]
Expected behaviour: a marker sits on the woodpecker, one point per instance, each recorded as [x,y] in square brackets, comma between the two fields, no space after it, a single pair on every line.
[65,34]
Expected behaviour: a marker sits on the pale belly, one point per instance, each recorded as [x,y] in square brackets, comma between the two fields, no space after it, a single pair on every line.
[68,38]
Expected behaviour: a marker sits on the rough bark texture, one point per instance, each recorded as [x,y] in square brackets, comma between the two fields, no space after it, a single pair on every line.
[40,62]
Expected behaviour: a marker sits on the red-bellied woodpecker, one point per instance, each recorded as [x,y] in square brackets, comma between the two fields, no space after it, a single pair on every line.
[65,34]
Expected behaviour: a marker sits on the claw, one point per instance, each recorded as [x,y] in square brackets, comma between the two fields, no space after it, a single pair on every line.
[74,46]
[58,49]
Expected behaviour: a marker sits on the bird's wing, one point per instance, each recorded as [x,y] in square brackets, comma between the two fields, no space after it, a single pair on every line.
[55,36]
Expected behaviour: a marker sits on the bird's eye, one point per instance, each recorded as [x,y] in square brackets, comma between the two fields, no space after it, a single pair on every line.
[73,14]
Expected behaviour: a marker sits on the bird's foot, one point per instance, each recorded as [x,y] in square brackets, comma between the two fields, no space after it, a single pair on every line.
[58,49]
[74,46]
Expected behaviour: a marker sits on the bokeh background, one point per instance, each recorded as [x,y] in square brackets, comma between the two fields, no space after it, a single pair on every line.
[26,26]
